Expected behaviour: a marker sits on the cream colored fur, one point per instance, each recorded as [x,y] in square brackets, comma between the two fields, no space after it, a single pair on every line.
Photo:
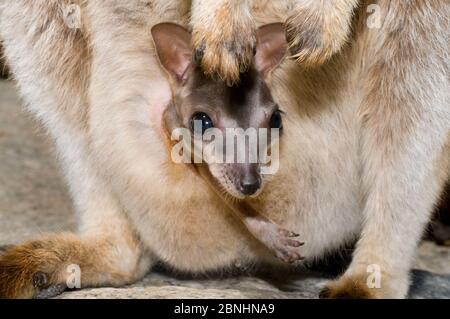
[364,154]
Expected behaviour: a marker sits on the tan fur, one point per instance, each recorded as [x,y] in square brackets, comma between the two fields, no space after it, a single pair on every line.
[52,255]
[348,288]
[365,149]
[224,35]
[224,32]
[319,29]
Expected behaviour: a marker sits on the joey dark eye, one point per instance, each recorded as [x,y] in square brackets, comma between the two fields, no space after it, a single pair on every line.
[276,120]
[204,120]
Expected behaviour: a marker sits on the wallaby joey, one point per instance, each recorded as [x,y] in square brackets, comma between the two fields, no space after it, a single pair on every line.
[213,104]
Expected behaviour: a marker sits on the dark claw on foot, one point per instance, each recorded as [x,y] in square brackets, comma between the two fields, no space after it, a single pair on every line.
[293,243]
[40,280]
[288,233]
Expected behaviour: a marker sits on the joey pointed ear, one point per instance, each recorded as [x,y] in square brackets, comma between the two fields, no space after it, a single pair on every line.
[173,46]
[271,48]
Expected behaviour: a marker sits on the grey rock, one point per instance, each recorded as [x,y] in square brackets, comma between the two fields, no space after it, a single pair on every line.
[427,285]
[433,258]
[156,285]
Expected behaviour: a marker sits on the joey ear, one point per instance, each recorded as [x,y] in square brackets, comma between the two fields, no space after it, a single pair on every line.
[173,46]
[271,48]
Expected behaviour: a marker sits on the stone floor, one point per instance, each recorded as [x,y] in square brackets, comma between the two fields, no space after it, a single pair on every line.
[34,200]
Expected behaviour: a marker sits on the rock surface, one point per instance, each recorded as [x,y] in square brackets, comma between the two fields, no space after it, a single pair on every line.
[34,200]
[159,286]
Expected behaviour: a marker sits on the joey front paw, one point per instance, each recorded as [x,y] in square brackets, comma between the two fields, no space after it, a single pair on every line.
[281,242]
[225,48]
[286,247]
[4,248]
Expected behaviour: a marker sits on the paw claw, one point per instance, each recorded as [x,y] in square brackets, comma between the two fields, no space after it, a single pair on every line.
[292,243]
[40,280]
[292,257]
[4,248]
[288,233]
[225,54]
[284,246]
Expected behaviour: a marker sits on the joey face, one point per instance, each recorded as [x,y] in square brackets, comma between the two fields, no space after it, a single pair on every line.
[234,126]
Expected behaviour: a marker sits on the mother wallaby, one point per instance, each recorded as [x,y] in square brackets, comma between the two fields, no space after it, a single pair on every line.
[364,154]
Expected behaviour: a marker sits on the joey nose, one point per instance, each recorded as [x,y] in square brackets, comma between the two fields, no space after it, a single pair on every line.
[249,186]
